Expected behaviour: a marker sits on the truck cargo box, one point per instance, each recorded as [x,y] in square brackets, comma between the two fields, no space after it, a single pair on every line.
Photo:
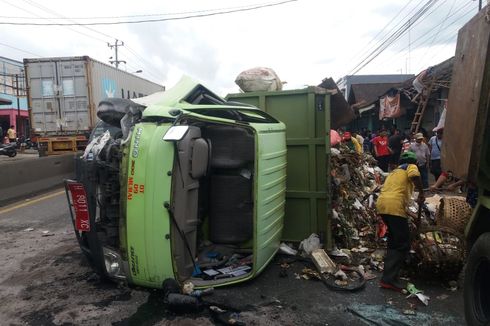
[306,113]
[467,111]
[64,92]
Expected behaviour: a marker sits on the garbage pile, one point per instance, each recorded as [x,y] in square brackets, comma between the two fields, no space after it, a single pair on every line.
[355,180]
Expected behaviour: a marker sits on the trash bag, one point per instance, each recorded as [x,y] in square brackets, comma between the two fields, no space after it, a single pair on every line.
[310,244]
[335,138]
[258,79]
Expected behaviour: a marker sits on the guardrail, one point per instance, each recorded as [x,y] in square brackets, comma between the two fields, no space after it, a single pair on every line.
[25,177]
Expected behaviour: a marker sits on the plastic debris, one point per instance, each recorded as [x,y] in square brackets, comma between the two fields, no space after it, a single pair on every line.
[285,249]
[414,292]
[310,244]
[29,229]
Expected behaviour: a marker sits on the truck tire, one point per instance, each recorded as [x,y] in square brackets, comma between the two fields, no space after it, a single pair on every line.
[477,283]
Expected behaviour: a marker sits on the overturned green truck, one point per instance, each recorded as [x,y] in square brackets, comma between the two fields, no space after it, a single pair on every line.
[192,188]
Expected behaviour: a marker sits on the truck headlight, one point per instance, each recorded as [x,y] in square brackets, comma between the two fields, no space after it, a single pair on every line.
[113,264]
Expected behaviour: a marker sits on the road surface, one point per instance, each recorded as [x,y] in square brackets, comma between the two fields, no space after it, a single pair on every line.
[45,280]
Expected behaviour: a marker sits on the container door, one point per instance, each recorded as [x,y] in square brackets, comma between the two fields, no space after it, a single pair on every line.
[73,96]
[44,105]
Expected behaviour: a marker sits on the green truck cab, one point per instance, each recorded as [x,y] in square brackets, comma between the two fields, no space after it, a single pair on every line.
[466,153]
[195,192]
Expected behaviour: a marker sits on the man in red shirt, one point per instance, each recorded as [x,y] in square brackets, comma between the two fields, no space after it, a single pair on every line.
[381,150]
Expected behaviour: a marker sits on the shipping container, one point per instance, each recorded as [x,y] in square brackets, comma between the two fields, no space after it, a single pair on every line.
[64,92]
[306,113]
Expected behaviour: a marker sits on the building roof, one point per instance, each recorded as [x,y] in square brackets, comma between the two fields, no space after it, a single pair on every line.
[365,94]
[341,112]
[377,79]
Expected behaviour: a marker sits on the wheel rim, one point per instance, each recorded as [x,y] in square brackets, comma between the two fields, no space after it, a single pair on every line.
[482,290]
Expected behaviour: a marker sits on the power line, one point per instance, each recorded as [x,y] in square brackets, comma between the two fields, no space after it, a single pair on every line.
[394,36]
[151,20]
[46,9]
[134,16]
[423,39]
[440,28]
[30,12]
[382,30]
[25,51]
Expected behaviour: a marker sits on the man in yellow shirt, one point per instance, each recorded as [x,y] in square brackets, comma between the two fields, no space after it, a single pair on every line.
[391,205]
[12,134]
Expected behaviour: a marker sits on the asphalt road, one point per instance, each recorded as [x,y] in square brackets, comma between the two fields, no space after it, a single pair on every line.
[45,280]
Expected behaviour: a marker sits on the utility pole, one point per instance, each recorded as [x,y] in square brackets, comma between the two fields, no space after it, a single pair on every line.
[115,46]
[17,94]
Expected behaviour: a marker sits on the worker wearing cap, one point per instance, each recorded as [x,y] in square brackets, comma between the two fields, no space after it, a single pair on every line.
[391,205]
[351,142]
[422,152]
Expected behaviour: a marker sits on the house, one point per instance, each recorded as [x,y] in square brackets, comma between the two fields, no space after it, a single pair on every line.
[427,92]
[13,107]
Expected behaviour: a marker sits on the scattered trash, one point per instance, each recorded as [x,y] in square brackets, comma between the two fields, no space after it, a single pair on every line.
[46,233]
[453,286]
[29,229]
[225,317]
[285,249]
[322,262]
[414,292]
[354,181]
[386,315]
[409,312]
[442,297]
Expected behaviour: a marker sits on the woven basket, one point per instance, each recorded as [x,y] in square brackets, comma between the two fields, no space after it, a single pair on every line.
[440,246]
[454,213]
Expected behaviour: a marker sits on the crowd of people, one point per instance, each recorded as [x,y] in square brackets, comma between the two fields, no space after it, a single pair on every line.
[388,145]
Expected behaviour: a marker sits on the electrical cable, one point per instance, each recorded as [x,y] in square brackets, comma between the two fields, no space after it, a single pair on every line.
[133,16]
[25,51]
[382,30]
[30,12]
[423,39]
[393,37]
[48,10]
[439,30]
[151,20]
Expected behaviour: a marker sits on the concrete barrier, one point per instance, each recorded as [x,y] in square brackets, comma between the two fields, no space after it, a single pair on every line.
[21,178]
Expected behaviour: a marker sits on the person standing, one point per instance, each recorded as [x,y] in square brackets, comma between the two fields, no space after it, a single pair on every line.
[422,152]
[395,143]
[381,150]
[391,205]
[12,134]
[435,144]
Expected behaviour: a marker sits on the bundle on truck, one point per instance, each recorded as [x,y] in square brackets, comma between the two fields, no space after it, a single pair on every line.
[466,153]
[63,94]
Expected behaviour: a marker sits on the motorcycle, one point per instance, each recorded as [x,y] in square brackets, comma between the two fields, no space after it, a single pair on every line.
[8,149]
[28,143]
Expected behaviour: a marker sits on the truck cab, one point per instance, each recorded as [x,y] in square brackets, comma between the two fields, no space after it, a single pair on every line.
[194,191]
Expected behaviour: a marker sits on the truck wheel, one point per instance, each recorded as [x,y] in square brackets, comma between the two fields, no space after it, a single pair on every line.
[12,154]
[477,283]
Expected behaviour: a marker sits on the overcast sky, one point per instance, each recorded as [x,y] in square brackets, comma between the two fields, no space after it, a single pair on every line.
[303,41]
